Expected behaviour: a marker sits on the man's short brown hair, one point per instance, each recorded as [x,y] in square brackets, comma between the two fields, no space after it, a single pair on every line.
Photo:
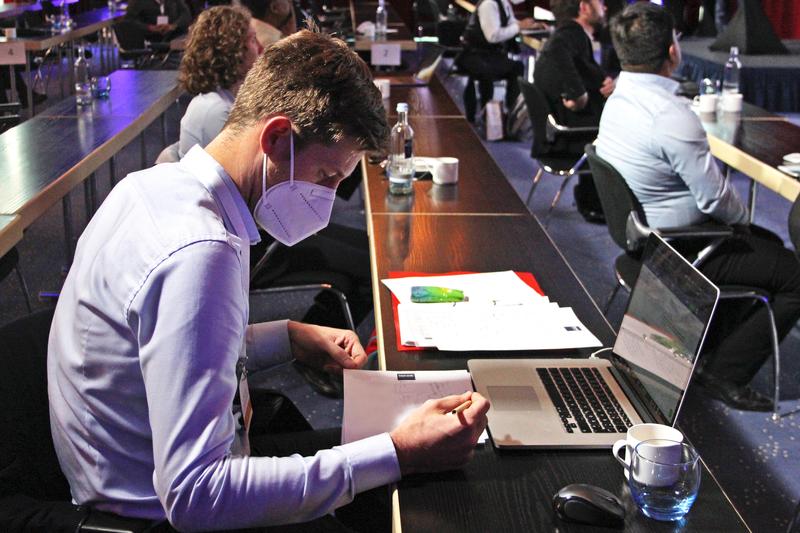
[321,85]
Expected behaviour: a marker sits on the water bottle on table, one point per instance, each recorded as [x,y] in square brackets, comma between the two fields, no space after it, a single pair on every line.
[381,20]
[733,67]
[401,154]
[83,80]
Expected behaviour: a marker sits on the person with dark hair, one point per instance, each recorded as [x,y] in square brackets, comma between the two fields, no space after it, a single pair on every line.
[488,38]
[575,86]
[150,341]
[658,144]
[219,52]
[159,20]
[272,19]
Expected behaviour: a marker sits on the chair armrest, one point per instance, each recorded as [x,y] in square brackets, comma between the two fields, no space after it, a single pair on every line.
[100,522]
[553,128]
[636,232]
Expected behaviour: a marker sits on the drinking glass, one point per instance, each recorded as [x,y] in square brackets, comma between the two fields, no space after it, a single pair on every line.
[101,87]
[664,486]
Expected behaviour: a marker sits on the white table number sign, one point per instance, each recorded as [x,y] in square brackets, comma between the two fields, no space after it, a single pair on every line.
[12,53]
[385,54]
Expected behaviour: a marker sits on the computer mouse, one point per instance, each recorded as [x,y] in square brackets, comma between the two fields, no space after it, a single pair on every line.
[587,504]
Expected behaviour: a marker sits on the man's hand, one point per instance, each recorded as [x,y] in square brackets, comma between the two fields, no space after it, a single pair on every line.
[432,439]
[608,87]
[577,104]
[530,24]
[329,349]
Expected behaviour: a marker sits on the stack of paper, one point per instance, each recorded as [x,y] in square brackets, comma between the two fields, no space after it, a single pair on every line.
[502,313]
[376,402]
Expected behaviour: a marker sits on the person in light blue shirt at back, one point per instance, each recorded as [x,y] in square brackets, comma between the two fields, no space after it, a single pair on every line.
[658,144]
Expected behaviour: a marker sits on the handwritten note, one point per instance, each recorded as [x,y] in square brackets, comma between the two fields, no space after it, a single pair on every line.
[377,401]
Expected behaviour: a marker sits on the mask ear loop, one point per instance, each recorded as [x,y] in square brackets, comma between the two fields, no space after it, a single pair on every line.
[291,155]
[264,176]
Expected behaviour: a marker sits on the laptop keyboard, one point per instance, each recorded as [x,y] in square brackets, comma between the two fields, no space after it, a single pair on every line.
[583,400]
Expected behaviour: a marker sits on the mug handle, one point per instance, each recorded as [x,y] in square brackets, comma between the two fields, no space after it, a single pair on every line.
[620,444]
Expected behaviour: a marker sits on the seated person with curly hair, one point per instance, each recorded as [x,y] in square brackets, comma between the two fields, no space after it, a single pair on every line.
[221,49]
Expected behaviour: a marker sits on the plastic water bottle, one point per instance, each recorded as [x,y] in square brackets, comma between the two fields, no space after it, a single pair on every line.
[730,79]
[83,80]
[381,20]
[452,13]
[401,154]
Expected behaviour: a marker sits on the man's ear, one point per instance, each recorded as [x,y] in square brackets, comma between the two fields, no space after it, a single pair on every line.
[274,129]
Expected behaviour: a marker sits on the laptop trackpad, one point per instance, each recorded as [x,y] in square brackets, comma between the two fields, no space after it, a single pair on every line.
[513,398]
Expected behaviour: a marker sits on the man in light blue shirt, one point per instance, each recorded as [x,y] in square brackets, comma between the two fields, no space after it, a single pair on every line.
[152,321]
[658,145]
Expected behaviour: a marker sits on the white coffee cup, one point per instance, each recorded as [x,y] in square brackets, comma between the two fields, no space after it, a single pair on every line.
[732,102]
[706,103]
[10,33]
[385,86]
[445,170]
[643,432]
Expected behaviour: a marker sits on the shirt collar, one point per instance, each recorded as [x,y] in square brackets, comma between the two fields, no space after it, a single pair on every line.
[640,78]
[214,175]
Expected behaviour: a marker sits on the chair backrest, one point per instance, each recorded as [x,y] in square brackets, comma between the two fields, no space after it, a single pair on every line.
[538,110]
[28,462]
[616,197]
[794,225]
[128,35]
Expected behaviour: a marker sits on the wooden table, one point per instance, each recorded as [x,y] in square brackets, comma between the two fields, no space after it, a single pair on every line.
[10,233]
[755,146]
[44,158]
[430,101]
[480,224]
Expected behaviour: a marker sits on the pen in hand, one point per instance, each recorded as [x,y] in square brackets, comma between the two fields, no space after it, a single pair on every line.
[464,406]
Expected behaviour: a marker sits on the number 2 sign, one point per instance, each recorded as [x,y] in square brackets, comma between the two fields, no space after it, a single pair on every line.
[385,54]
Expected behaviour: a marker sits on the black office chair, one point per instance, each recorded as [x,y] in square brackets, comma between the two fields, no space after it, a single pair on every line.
[546,130]
[10,115]
[34,495]
[130,41]
[628,227]
[10,262]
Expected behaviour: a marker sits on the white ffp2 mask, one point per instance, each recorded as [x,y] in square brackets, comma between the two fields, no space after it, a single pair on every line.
[292,210]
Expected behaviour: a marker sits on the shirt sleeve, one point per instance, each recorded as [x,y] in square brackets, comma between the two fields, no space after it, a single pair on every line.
[268,344]
[683,142]
[489,17]
[189,318]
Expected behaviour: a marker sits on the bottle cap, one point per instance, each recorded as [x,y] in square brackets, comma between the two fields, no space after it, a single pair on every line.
[402,107]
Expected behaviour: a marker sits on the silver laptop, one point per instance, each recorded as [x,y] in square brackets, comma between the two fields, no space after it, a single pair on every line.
[431,56]
[590,402]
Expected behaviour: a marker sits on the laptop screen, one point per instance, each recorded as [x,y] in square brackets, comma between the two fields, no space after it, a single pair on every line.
[663,328]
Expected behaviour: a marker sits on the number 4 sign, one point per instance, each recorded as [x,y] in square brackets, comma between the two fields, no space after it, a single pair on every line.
[12,53]
[385,54]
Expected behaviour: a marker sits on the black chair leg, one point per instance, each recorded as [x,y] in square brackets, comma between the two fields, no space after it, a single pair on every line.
[24,289]
[610,299]
[470,99]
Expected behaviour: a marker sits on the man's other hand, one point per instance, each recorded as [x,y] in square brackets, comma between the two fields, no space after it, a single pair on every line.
[608,87]
[432,439]
[576,104]
[329,349]
[530,24]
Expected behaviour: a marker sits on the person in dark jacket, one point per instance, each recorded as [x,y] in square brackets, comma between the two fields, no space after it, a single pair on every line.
[575,86]
[488,38]
[146,14]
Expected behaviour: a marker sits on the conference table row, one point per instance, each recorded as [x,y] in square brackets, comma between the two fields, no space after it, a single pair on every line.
[45,157]
[481,225]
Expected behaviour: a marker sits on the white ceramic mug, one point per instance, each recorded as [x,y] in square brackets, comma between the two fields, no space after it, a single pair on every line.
[445,170]
[732,102]
[706,103]
[385,86]
[643,432]
[10,33]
